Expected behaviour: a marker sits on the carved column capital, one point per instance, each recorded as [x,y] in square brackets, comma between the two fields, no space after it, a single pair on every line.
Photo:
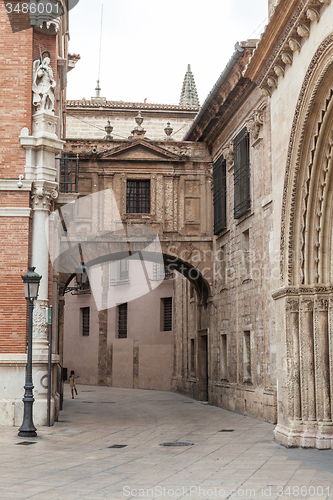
[42,196]
[228,154]
[255,123]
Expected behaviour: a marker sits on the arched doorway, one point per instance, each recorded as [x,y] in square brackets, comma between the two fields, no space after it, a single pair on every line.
[304,304]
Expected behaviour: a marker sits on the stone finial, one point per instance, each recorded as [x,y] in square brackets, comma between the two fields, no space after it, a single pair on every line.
[189,95]
[108,130]
[168,130]
[138,131]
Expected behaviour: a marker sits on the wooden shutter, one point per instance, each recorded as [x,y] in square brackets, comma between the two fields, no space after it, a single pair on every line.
[220,195]
[242,197]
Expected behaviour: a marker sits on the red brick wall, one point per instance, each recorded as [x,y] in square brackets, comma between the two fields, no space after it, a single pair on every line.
[19,46]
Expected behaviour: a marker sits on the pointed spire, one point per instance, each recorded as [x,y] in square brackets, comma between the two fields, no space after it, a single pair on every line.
[189,95]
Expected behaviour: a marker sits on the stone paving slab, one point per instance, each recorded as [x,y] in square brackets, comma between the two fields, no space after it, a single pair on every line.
[73,459]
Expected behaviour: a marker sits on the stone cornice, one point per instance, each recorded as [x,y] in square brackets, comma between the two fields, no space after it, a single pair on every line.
[289,25]
[15,185]
[302,290]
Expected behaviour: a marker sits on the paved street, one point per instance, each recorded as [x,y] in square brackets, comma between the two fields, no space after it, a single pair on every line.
[75,458]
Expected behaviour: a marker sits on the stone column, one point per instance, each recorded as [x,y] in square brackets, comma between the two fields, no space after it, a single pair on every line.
[323,382]
[293,306]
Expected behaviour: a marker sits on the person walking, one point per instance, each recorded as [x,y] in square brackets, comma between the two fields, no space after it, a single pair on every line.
[72,383]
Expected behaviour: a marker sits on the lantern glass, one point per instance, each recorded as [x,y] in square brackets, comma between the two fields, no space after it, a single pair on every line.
[31,282]
[81,275]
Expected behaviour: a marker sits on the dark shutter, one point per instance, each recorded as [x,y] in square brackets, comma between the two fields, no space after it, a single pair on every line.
[167,314]
[242,197]
[85,321]
[122,321]
[138,197]
[220,195]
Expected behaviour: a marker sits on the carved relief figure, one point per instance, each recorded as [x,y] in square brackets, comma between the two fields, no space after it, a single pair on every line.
[43,85]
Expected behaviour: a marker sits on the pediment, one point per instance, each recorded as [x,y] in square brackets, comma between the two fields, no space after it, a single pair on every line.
[140,150]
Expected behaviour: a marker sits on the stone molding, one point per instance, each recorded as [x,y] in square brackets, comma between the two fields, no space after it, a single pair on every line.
[42,195]
[15,212]
[12,185]
[290,185]
[280,54]
[296,291]
[40,17]
[44,123]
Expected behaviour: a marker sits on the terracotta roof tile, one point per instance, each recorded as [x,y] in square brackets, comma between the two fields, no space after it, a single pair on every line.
[127,105]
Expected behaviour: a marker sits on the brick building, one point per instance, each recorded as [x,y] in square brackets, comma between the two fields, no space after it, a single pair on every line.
[30,135]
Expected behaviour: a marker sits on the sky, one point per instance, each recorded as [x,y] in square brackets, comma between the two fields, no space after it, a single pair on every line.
[147,45]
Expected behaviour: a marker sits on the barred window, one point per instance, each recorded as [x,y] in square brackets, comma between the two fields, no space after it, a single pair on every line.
[220,195]
[167,314]
[85,320]
[242,197]
[122,321]
[138,197]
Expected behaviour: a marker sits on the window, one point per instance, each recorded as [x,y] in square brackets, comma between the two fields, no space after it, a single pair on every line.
[224,357]
[119,272]
[161,273]
[220,195]
[85,320]
[242,198]
[246,253]
[122,321]
[247,371]
[167,314]
[192,357]
[138,197]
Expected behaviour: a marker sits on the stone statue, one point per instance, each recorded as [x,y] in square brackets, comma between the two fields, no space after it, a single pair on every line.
[43,85]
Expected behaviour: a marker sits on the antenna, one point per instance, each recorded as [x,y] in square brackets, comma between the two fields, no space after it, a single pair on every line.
[100,46]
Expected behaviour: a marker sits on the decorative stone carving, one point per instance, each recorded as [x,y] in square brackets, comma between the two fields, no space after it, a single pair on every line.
[228,154]
[312,14]
[287,58]
[325,1]
[266,92]
[48,13]
[43,85]
[44,122]
[294,45]
[138,131]
[253,125]
[108,130]
[279,70]
[40,329]
[42,197]
[272,81]
[303,30]
[168,130]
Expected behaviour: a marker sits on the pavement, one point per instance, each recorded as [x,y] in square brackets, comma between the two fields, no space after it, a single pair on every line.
[107,445]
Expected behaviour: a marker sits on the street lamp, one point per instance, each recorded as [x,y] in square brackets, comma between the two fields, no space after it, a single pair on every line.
[81,275]
[31,282]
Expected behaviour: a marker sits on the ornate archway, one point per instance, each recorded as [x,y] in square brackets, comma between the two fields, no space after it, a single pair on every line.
[305,303]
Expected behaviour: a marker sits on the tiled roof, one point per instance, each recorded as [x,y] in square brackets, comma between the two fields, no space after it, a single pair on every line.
[74,57]
[128,105]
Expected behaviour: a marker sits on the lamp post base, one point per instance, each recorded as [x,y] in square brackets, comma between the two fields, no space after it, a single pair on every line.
[27,434]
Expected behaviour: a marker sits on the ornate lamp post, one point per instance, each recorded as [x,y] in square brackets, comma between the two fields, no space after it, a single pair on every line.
[81,275]
[31,285]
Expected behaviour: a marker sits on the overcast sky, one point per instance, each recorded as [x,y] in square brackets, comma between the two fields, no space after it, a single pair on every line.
[147,45]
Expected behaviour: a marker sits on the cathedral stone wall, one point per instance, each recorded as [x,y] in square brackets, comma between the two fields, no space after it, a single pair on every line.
[90,123]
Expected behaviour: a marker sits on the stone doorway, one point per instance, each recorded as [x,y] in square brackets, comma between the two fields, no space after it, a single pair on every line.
[203,365]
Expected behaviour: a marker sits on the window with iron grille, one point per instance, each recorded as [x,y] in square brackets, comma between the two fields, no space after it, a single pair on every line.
[119,272]
[122,321]
[69,174]
[220,195]
[167,314]
[161,273]
[138,197]
[85,320]
[242,197]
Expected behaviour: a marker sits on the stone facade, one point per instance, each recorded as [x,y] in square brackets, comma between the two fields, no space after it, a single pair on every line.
[228,352]
[88,119]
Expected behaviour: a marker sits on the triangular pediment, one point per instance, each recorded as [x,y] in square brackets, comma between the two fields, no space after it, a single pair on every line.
[139,150]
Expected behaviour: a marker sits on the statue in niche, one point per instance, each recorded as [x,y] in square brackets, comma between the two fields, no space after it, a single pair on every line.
[43,84]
